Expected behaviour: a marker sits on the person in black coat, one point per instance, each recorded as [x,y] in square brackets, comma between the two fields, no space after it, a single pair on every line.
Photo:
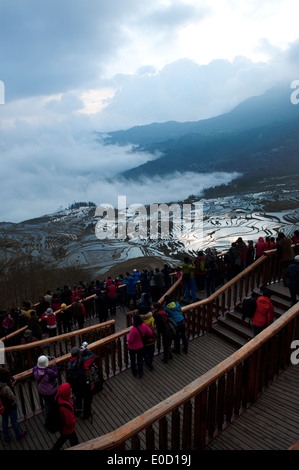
[292,279]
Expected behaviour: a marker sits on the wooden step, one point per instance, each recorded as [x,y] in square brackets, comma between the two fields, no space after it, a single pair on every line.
[228,335]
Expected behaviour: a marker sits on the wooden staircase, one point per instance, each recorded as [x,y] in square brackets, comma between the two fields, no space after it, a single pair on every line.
[238,332]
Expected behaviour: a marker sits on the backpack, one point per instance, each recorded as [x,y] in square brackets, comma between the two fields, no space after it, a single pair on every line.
[248,307]
[170,329]
[53,422]
[94,377]
[76,376]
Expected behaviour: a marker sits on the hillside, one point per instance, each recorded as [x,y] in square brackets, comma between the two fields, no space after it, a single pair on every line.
[257,137]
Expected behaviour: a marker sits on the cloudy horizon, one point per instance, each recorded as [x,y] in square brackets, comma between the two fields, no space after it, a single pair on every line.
[71,69]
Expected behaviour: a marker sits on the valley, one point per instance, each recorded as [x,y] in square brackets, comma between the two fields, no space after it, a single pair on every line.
[67,238]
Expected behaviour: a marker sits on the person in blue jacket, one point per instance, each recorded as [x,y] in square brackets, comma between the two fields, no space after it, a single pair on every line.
[131,284]
[174,311]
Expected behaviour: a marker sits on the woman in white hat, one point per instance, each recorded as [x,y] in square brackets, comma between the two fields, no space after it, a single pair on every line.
[45,373]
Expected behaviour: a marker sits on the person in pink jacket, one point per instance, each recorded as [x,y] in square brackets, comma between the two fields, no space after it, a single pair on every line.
[135,344]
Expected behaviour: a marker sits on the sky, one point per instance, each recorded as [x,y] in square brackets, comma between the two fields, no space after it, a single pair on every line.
[71,68]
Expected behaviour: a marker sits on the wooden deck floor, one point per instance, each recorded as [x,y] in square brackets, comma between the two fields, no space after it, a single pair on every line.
[125,397]
[272,423]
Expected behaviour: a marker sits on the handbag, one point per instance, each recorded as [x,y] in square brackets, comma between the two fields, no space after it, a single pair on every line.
[147,339]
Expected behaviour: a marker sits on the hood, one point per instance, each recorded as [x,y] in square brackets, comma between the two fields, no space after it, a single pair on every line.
[145,316]
[109,282]
[64,391]
[131,279]
[261,239]
[264,301]
[171,305]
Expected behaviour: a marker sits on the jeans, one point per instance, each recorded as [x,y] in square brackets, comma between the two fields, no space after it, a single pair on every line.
[181,334]
[136,357]
[190,286]
[13,417]
[72,438]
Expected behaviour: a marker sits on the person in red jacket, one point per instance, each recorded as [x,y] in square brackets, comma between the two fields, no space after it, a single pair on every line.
[264,313]
[111,290]
[67,416]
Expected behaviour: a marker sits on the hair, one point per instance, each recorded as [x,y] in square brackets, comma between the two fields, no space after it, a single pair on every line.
[137,320]
[167,299]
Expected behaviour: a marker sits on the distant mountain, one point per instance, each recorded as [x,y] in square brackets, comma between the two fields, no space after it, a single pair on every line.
[258,137]
[273,106]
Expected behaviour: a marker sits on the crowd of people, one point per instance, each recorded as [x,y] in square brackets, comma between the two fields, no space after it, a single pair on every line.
[57,312]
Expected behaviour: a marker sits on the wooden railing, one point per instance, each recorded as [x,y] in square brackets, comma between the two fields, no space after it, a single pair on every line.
[24,356]
[112,358]
[190,418]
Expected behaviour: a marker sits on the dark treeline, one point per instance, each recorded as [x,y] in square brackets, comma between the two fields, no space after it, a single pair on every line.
[31,280]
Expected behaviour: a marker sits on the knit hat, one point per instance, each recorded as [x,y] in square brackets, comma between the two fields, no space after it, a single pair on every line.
[75,351]
[43,362]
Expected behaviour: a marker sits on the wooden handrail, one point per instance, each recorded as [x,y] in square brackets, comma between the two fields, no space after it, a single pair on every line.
[61,337]
[125,432]
[95,345]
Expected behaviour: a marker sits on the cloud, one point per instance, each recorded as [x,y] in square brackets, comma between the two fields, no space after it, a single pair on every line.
[186,91]
[71,68]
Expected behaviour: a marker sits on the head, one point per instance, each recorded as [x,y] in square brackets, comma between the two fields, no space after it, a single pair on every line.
[137,320]
[64,391]
[267,293]
[167,299]
[42,362]
[296,259]
[156,306]
[75,351]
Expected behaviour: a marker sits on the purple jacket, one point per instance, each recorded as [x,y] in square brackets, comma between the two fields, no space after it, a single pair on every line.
[46,379]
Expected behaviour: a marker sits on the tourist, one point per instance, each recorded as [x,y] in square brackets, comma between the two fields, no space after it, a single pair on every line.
[200,272]
[188,270]
[78,312]
[212,272]
[67,417]
[259,247]
[45,373]
[264,313]
[136,346]
[77,367]
[10,406]
[150,343]
[160,316]
[292,279]
[175,312]
[50,318]
[285,251]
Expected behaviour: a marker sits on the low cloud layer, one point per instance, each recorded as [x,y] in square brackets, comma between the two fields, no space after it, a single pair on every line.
[46,173]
